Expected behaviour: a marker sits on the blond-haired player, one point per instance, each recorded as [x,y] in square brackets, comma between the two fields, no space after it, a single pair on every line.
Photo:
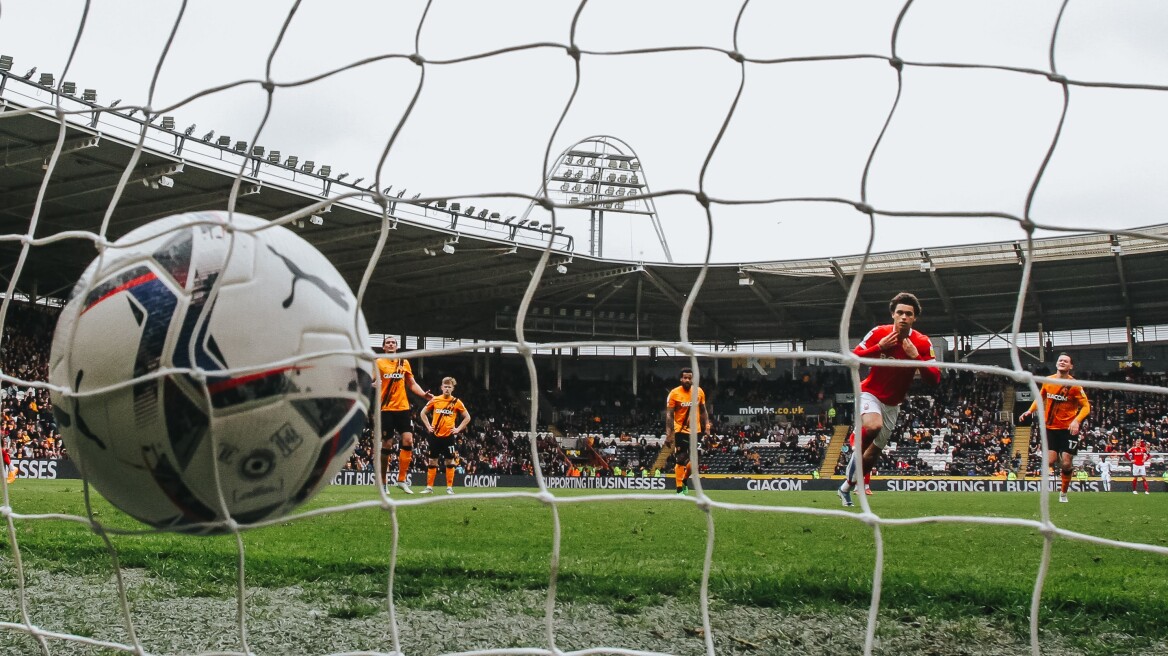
[444,417]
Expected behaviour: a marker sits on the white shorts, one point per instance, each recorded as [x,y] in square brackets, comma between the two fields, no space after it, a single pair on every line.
[870,405]
[1140,470]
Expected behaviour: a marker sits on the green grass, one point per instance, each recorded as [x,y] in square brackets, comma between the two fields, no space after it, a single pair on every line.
[634,554]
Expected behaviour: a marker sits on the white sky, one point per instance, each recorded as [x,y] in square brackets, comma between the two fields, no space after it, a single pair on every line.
[961,140]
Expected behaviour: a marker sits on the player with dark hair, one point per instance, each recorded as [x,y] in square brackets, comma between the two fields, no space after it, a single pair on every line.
[1139,456]
[885,387]
[396,376]
[440,416]
[678,405]
[1066,406]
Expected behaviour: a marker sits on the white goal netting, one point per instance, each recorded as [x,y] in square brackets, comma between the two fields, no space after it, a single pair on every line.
[772,132]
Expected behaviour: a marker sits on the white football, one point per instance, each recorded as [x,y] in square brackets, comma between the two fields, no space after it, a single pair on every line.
[210,371]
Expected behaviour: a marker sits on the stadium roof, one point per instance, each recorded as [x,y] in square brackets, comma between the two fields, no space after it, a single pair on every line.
[1078,282]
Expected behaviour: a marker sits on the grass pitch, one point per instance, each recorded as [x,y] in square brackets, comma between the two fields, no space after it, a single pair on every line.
[634,556]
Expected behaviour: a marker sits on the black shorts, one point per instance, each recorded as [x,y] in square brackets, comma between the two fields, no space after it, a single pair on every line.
[442,448]
[1061,441]
[395,421]
[681,446]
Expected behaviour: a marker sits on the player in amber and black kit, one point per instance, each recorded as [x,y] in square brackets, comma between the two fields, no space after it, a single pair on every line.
[678,406]
[1065,406]
[885,387]
[444,417]
[396,376]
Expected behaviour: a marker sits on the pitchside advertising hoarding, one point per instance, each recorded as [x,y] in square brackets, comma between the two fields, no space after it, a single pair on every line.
[46,469]
[753,484]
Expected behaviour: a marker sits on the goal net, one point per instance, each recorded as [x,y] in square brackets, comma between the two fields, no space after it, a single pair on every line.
[782,140]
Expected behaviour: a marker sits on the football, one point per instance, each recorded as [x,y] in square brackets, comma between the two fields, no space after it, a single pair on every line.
[209,366]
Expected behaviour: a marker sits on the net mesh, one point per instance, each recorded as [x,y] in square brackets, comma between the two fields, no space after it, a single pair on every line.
[605,47]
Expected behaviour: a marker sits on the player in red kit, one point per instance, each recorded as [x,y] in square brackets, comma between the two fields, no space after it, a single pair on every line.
[885,387]
[1139,456]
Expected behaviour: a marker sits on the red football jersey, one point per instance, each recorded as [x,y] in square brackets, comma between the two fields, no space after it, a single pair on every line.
[890,384]
[1138,455]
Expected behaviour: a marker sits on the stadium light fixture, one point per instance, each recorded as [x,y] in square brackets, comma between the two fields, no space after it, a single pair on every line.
[89,95]
[206,137]
[316,220]
[241,146]
[342,176]
[224,141]
[168,123]
[165,181]
[46,80]
[744,278]
[190,130]
[5,63]
[308,166]
[560,268]
[448,248]
[292,161]
[257,151]
[326,171]
[69,88]
[274,157]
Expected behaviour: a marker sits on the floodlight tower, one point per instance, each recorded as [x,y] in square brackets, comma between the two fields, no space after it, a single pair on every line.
[602,174]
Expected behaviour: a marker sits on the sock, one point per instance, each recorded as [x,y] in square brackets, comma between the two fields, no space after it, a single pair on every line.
[848,474]
[689,472]
[679,473]
[403,462]
[449,476]
[867,436]
[1066,477]
[431,474]
[867,479]
[385,463]
[1145,485]
[1133,485]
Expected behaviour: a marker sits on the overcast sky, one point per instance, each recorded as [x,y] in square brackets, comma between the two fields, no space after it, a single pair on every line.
[961,140]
